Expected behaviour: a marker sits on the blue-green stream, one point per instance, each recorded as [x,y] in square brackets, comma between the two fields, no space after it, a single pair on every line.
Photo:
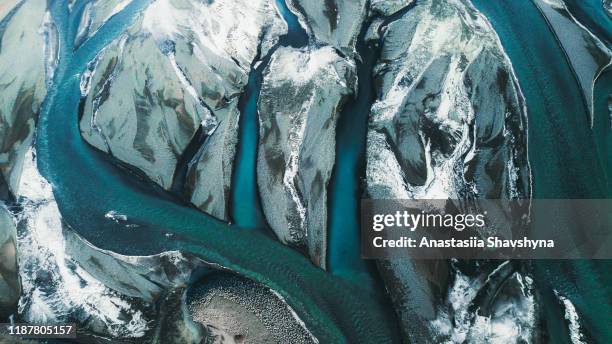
[86,185]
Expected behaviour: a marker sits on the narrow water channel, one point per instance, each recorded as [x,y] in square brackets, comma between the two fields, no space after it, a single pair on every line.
[246,209]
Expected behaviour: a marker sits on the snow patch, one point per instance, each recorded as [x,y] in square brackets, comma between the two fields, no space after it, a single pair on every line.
[220,27]
[115,216]
[301,67]
[512,320]
[573,319]
[54,287]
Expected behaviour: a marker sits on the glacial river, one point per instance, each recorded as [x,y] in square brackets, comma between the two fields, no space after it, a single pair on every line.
[87,185]
[335,307]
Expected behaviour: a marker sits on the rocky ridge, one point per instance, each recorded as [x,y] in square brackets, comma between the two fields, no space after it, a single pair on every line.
[449,123]
[301,97]
[26,47]
[147,121]
[332,22]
